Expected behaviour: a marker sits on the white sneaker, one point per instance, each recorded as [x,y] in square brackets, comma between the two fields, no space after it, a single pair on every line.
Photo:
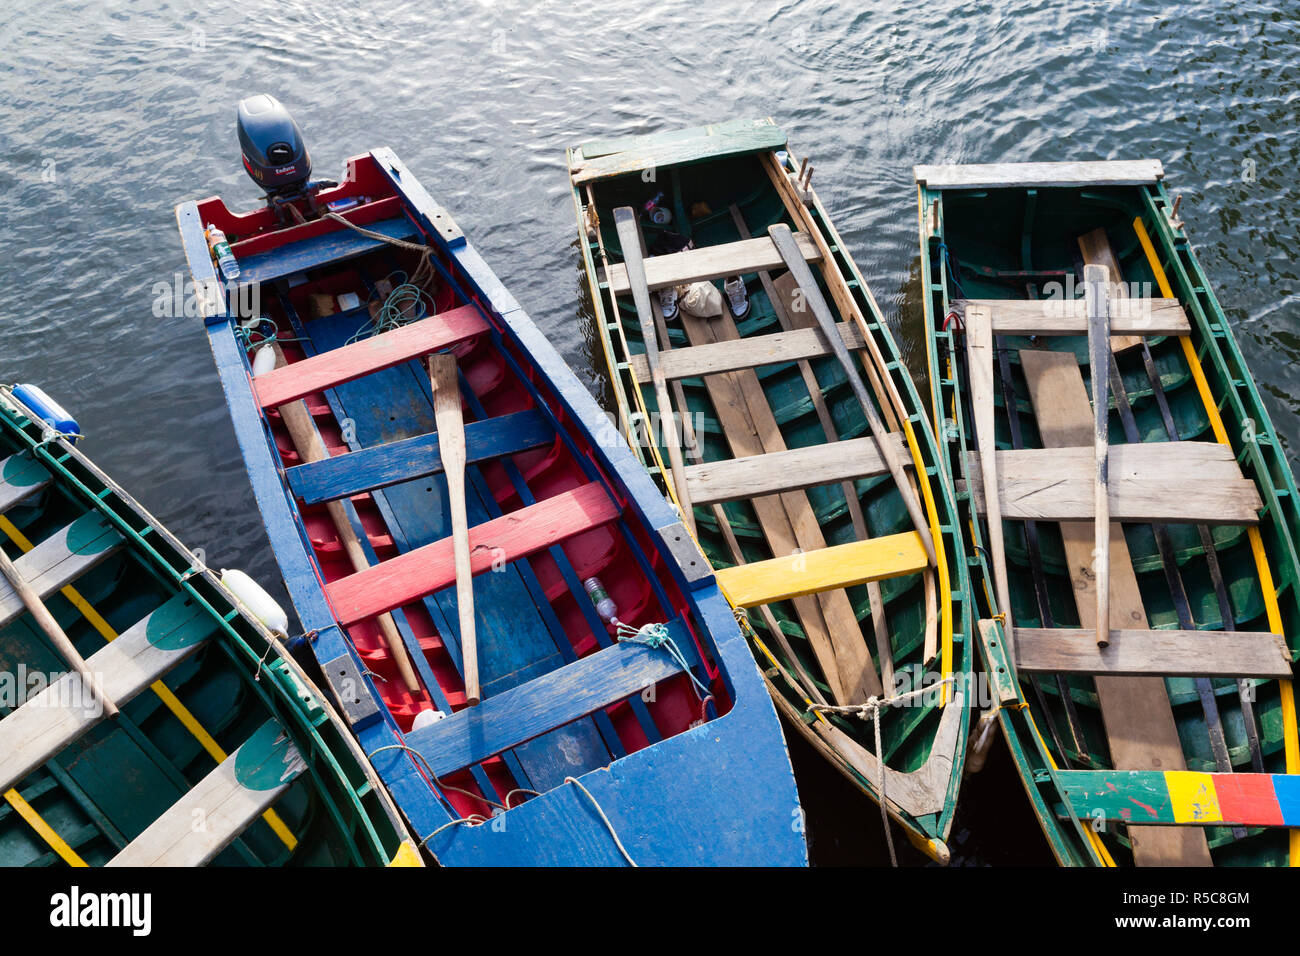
[668,302]
[737,296]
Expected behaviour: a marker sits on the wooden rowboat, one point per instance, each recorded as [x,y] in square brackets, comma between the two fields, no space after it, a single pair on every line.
[802,459]
[214,725]
[1163,507]
[655,745]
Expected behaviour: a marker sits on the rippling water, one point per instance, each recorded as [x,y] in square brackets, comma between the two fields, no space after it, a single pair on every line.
[108,119]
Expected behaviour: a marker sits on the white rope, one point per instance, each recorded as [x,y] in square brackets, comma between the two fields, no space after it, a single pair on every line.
[609,826]
[870,710]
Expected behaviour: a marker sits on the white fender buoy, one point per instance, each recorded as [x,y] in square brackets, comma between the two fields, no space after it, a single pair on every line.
[254,597]
[263,360]
[981,741]
[426,717]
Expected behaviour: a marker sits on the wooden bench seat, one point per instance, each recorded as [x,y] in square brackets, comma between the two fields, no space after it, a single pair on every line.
[1166,653]
[752,352]
[535,707]
[369,355]
[1163,482]
[1069,316]
[225,802]
[317,251]
[21,476]
[743,257]
[50,720]
[59,560]
[1184,797]
[827,569]
[370,469]
[410,576]
[791,470]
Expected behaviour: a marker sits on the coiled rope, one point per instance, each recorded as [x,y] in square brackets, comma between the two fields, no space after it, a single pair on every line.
[870,710]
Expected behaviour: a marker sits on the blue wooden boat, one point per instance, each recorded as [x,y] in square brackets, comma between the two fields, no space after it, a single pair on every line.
[214,724]
[645,739]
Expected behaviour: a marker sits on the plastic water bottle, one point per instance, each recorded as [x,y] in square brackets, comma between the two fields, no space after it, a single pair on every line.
[221,250]
[605,605]
[658,214]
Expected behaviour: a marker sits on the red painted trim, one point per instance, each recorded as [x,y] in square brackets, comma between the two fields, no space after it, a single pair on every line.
[369,355]
[518,534]
[1248,798]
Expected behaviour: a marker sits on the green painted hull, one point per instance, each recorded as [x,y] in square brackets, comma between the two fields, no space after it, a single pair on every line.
[698,174]
[103,788]
[986,234]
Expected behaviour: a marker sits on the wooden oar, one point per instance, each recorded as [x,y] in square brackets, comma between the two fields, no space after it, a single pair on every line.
[979,363]
[1095,279]
[307,442]
[36,607]
[794,261]
[629,237]
[451,446]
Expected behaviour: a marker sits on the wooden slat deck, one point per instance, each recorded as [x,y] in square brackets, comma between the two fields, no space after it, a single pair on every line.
[603,159]
[379,466]
[369,355]
[223,804]
[21,476]
[317,251]
[1138,718]
[59,560]
[1165,652]
[50,720]
[790,470]
[996,175]
[1069,316]
[410,576]
[1163,482]
[742,257]
[535,707]
[753,352]
[812,572]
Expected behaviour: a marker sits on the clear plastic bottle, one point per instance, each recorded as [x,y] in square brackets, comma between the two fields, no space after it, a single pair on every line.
[221,251]
[605,605]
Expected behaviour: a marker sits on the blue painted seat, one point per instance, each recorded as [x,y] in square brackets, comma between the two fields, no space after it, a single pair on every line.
[318,251]
[540,705]
[379,466]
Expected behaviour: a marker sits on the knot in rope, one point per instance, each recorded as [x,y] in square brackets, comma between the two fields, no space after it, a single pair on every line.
[656,636]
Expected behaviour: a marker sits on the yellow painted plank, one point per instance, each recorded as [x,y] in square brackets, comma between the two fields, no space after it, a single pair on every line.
[1192,797]
[826,569]
[406,855]
[47,832]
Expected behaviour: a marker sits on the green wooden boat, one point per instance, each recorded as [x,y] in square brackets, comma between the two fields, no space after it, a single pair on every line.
[843,546]
[215,724]
[1175,742]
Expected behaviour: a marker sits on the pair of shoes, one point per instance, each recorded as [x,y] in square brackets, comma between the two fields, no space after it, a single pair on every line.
[668,302]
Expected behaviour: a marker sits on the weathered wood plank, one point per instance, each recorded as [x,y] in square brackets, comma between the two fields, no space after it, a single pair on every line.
[753,352]
[979,362]
[1136,713]
[791,470]
[373,354]
[634,154]
[839,566]
[535,707]
[712,262]
[21,476]
[312,253]
[1163,652]
[59,560]
[1096,251]
[378,466]
[1069,316]
[208,818]
[1147,461]
[1184,798]
[1068,496]
[997,175]
[1096,298]
[430,568]
[53,718]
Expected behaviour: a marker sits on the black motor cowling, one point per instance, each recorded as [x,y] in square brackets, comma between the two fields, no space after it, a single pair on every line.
[272,146]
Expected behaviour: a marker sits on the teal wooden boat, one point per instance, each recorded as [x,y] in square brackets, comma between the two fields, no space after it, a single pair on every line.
[1174,741]
[770,451]
[215,723]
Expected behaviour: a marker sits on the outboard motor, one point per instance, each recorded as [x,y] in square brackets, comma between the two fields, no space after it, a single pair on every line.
[272,146]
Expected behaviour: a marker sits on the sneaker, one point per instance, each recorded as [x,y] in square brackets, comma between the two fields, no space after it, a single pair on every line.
[668,302]
[737,296]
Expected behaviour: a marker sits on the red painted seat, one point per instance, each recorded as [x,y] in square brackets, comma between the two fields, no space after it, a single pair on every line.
[430,568]
[369,355]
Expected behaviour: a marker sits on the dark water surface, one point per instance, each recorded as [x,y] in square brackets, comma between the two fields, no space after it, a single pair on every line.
[112,113]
